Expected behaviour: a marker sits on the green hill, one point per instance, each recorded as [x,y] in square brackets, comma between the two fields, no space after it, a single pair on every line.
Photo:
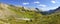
[10,14]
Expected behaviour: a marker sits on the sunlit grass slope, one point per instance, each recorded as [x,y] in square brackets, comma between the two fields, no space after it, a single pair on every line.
[10,14]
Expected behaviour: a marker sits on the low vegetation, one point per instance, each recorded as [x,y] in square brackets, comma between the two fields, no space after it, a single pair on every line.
[24,16]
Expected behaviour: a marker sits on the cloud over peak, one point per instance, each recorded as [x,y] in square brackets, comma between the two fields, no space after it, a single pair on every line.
[37,2]
[42,5]
[53,1]
[25,3]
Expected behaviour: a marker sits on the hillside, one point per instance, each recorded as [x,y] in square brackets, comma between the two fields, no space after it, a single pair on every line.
[10,14]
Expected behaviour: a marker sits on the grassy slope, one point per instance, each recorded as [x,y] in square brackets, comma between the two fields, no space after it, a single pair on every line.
[37,18]
[26,14]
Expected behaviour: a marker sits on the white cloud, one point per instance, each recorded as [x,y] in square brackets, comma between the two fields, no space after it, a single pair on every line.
[25,3]
[53,1]
[42,5]
[37,2]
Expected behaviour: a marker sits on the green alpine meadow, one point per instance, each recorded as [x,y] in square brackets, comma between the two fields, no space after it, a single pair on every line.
[10,14]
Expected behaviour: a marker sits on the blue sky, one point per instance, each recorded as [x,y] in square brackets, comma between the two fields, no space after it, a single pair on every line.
[41,4]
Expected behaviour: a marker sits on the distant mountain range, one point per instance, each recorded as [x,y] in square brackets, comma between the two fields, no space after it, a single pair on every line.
[51,11]
[57,10]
